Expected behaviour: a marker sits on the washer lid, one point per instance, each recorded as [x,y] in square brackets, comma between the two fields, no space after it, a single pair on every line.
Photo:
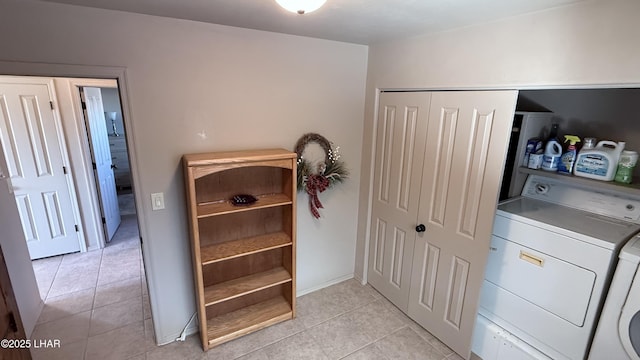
[593,228]
[589,198]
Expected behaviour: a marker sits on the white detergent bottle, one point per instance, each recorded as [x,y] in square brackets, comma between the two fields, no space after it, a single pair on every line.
[552,153]
[600,162]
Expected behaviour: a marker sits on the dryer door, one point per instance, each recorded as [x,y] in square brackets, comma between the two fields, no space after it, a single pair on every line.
[629,324]
[634,333]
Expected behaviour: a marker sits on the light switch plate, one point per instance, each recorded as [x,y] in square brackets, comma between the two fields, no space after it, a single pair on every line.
[157,201]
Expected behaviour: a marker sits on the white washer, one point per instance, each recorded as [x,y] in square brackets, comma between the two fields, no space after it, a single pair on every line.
[618,332]
[553,252]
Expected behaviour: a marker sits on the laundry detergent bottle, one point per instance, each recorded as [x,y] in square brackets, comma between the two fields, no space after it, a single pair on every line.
[627,162]
[599,163]
[552,151]
[568,158]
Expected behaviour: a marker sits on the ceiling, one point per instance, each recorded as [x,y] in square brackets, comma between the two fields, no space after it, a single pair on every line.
[353,21]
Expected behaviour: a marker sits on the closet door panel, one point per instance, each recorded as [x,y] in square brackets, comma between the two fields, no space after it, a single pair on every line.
[467,137]
[400,142]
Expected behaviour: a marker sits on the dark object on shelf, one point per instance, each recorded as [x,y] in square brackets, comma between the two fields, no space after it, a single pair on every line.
[243,199]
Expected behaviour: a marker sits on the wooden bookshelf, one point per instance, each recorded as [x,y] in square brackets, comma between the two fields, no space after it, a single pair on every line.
[243,255]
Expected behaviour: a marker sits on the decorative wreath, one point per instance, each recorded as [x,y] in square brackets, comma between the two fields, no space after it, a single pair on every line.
[327,173]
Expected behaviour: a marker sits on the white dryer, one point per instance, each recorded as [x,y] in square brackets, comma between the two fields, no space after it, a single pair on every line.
[618,332]
[552,255]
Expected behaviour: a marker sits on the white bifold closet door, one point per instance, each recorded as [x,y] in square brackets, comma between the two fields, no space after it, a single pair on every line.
[438,166]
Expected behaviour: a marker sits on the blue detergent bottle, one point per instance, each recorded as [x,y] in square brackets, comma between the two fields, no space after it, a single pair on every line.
[552,151]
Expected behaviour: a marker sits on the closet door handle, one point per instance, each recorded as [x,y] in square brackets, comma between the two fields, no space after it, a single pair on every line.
[421,228]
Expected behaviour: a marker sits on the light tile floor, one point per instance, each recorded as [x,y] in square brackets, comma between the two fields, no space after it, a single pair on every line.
[100,313]
[96,302]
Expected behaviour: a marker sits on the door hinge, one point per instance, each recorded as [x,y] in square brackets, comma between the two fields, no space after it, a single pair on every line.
[94,166]
[104,221]
[84,105]
[64,170]
[77,228]
[13,325]
[51,104]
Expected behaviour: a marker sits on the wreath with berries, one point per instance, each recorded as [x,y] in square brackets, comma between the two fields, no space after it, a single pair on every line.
[326,174]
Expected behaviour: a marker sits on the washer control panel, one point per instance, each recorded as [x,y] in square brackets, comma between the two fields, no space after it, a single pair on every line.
[587,198]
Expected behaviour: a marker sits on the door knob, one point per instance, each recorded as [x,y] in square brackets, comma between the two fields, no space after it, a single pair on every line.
[421,228]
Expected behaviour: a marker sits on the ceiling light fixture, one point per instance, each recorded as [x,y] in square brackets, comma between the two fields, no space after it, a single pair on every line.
[301,6]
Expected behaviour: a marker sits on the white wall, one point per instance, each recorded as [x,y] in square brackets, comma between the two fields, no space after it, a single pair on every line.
[590,43]
[243,89]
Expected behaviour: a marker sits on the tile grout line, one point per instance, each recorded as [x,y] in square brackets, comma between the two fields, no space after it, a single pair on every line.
[93,307]
[429,341]
[117,281]
[93,303]
[309,328]
[373,342]
[378,339]
[343,313]
[335,317]
[55,274]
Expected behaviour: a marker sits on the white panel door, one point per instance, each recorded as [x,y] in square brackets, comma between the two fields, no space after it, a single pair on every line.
[400,143]
[32,143]
[468,133]
[101,153]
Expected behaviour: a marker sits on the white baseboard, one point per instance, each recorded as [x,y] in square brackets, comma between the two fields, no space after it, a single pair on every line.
[324,285]
[192,329]
[362,281]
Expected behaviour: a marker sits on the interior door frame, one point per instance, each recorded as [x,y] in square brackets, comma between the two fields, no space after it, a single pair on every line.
[17,68]
[68,113]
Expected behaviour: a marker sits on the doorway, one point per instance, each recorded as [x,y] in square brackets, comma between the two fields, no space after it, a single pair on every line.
[102,145]
[94,105]
[104,285]
[60,166]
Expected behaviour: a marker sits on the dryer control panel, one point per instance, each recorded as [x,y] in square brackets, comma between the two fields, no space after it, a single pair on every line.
[590,199]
